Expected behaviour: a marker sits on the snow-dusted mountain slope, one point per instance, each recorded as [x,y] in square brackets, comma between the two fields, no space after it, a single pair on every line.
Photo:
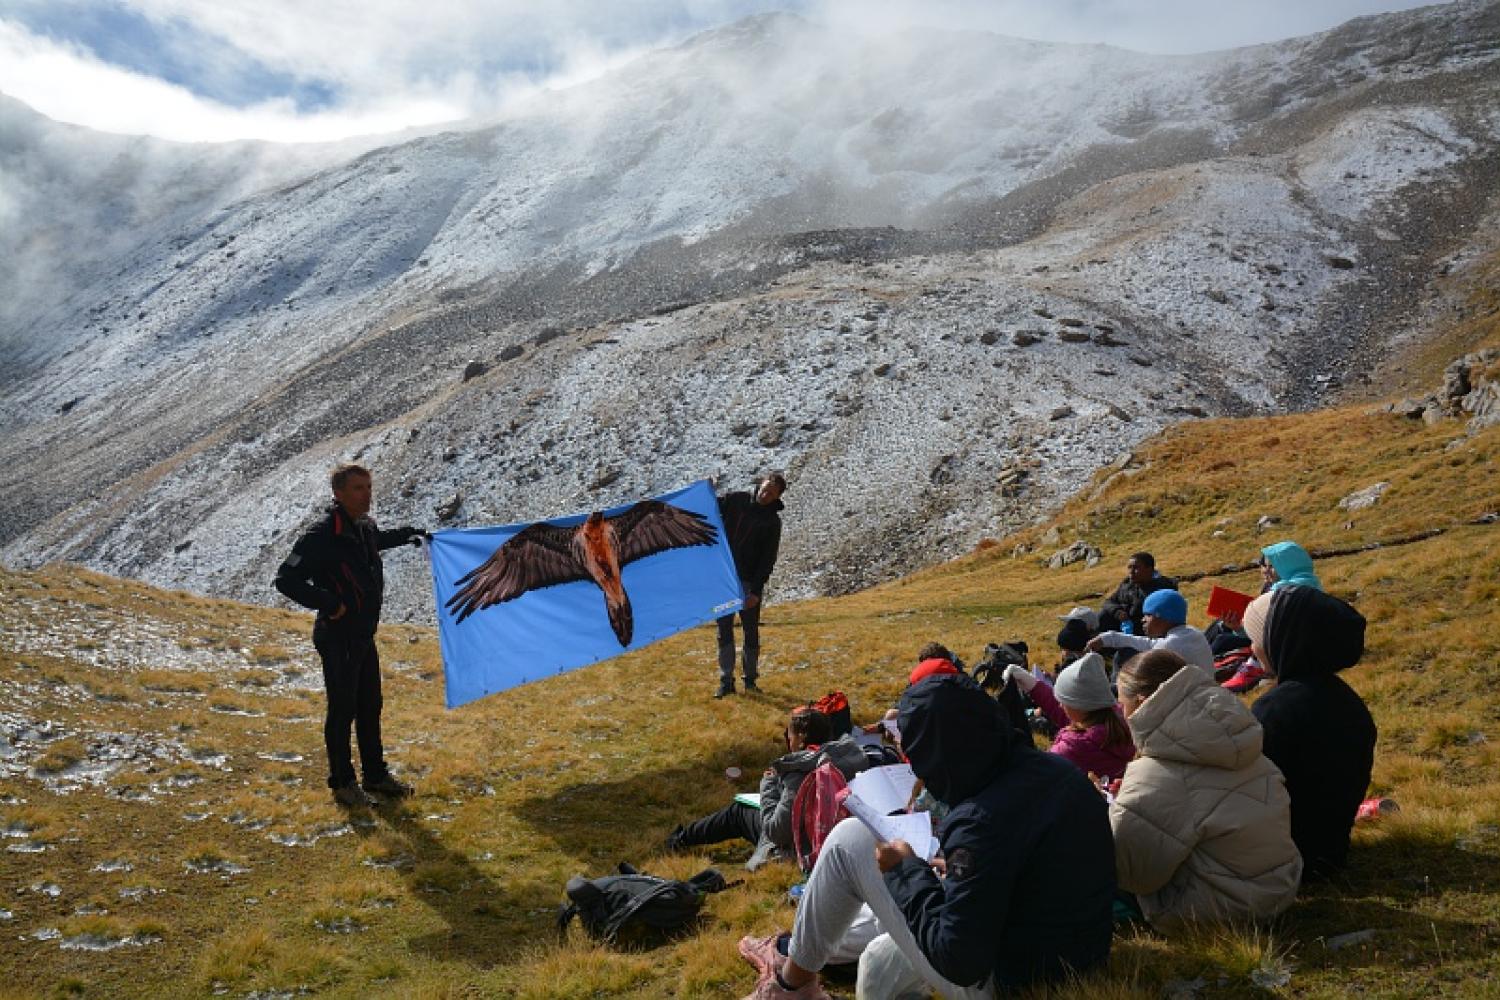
[940,278]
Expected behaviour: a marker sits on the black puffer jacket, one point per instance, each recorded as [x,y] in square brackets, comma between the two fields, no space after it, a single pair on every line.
[754,533]
[337,561]
[1031,862]
[1317,729]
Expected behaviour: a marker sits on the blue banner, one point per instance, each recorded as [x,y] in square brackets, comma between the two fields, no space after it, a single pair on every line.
[526,601]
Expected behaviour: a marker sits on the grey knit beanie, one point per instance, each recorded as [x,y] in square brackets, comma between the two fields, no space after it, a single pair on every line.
[1083,684]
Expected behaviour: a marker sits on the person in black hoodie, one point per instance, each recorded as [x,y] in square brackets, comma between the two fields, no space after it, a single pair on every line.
[1317,729]
[335,570]
[1030,877]
[752,524]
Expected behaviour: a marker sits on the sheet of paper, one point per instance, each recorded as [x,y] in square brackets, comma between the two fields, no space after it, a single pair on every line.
[887,788]
[914,828]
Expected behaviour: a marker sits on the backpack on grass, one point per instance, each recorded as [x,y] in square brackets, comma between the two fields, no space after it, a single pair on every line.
[634,910]
[835,705]
[816,810]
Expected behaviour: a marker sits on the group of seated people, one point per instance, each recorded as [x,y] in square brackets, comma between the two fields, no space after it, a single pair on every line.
[1163,798]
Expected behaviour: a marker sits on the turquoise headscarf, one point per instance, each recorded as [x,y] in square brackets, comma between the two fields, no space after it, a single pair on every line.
[1292,565]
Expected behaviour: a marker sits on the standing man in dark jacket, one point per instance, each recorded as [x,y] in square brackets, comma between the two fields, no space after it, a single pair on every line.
[335,570]
[1030,881]
[752,523]
[1317,728]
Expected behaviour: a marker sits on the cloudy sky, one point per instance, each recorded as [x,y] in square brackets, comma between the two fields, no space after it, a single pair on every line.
[293,70]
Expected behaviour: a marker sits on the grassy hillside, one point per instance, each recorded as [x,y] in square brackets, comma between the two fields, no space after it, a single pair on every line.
[162,792]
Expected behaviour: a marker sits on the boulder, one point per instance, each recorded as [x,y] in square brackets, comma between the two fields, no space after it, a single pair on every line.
[1079,551]
[1367,497]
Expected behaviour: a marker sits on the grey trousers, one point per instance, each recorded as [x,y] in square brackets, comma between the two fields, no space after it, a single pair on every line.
[845,878]
[750,621]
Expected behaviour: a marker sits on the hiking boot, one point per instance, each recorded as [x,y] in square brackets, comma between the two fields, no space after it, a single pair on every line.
[387,786]
[674,839]
[350,797]
[766,988]
[761,953]
[725,690]
[750,686]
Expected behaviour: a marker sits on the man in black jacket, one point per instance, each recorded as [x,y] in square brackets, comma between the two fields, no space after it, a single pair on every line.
[335,570]
[752,523]
[1125,604]
[1030,867]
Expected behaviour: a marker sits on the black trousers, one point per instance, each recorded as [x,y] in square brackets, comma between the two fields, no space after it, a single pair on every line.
[734,820]
[351,679]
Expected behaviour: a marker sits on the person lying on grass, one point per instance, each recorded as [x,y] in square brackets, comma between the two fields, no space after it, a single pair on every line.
[1202,820]
[1029,882]
[769,826]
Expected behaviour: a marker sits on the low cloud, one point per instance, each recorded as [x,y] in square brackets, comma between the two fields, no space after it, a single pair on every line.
[387,65]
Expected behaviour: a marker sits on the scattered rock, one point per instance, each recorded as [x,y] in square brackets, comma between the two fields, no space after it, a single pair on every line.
[1367,497]
[1043,313]
[448,509]
[1217,296]
[1118,413]
[1071,321]
[1266,520]
[1069,336]
[1023,338]
[882,370]
[474,369]
[604,478]
[1340,941]
[1079,551]
[1340,263]
[512,352]
[1061,413]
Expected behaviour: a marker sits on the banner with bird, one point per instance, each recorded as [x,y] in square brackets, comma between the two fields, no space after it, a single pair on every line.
[526,601]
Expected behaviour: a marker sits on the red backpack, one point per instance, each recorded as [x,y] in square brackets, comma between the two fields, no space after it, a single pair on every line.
[835,705]
[816,810]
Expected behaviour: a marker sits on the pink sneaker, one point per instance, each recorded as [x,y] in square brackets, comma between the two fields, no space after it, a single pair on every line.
[1372,809]
[760,952]
[766,988]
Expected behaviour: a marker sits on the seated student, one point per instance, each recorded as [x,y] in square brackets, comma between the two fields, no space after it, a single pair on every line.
[1078,627]
[1202,819]
[1030,869]
[1318,730]
[1090,730]
[769,827]
[1166,627]
[1123,610]
[1287,564]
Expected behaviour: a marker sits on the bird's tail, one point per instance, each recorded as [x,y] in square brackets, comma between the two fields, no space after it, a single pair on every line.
[621,618]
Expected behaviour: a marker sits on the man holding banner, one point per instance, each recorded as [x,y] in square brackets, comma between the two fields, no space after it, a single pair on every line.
[335,570]
[752,522]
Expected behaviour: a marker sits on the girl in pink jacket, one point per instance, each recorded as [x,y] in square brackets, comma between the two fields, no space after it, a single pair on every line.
[1090,731]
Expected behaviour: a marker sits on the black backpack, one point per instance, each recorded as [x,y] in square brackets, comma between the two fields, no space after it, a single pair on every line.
[633,909]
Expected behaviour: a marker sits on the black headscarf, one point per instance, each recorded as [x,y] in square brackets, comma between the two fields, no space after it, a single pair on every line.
[1309,633]
[954,734]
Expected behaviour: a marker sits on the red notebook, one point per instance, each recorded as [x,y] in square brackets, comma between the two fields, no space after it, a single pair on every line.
[1223,601]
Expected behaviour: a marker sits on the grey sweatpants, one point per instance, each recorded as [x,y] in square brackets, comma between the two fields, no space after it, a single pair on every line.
[844,878]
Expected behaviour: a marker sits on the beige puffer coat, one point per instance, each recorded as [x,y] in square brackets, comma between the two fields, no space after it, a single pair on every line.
[1202,820]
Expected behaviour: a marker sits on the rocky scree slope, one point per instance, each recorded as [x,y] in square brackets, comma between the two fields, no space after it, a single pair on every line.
[939,278]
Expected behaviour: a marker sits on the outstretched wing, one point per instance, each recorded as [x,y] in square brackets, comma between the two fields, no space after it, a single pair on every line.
[652,526]
[539,555]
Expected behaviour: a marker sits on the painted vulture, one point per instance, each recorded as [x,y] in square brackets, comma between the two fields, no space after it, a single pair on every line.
[544,555]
